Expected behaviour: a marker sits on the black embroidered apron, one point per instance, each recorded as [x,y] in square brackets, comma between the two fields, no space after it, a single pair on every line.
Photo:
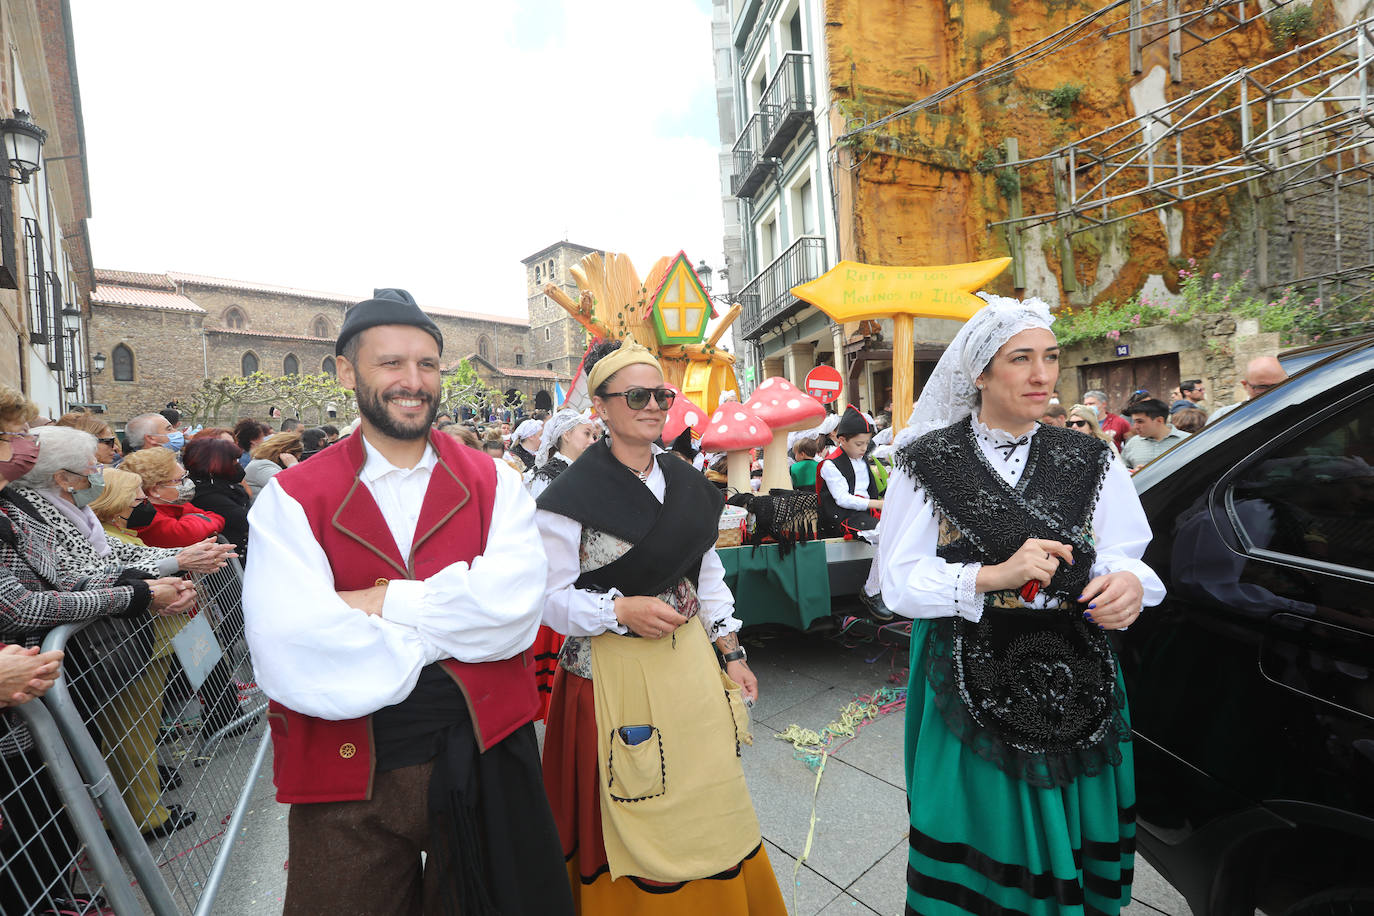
[1033,690]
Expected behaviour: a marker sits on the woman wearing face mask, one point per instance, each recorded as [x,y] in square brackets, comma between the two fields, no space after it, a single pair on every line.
[51,486]
[135,718]
[170,490]
[213,466]
[177,523]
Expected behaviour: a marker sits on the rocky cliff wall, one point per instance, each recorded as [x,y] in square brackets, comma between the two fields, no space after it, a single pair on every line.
[924,187]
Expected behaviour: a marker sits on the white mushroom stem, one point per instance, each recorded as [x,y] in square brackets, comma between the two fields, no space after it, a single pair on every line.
[737,470]
[777,473]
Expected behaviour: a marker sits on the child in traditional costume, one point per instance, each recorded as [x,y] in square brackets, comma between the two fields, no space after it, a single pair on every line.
[849,487]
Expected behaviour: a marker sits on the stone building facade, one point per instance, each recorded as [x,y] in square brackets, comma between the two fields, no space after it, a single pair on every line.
[557,342]
[45,258]
[163,334]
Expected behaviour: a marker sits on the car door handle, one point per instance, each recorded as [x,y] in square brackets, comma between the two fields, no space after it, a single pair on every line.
[1325,661]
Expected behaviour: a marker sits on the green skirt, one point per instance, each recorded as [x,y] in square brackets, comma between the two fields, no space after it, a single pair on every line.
[985,842]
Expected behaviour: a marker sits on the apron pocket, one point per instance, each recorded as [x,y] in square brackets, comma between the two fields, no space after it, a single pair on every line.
[739,712]
[636,770]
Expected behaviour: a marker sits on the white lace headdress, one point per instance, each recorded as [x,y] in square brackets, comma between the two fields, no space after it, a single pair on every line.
[950,395]
[562,421]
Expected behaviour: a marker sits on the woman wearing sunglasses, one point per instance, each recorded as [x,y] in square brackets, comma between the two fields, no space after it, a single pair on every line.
[1083,419]
[635,584]
[107,449]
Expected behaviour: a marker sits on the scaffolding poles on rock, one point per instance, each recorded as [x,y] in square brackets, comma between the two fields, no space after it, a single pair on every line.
[1306,136]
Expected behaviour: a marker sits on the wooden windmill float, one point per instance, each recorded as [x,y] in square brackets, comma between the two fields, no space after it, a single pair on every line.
[666,312]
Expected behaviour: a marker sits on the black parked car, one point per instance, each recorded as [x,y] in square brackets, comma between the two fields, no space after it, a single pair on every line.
[1252,685]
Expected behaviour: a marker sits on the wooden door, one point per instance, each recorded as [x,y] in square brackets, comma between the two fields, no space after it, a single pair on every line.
[1123,377]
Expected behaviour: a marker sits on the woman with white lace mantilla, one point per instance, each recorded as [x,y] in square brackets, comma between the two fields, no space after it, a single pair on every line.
[641,757]
[1016,547]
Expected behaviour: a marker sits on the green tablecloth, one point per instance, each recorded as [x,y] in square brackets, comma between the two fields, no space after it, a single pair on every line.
[770,588]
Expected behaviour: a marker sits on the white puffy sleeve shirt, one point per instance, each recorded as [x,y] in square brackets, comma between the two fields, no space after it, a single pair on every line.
[315,654]
[918,583]
[577,612]
[839,487]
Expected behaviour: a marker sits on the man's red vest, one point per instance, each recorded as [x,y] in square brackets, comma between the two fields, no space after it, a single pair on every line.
[322,760]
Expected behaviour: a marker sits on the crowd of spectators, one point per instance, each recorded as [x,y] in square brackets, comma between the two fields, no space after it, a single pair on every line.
[1147,426]
[99,528]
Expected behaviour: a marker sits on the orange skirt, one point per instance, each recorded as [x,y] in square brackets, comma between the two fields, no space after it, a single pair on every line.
[547,644]
[572,780]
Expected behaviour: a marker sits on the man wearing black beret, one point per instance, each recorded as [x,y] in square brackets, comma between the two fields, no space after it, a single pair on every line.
[396,587]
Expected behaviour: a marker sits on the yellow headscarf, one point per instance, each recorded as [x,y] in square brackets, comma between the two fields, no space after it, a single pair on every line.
[630,352]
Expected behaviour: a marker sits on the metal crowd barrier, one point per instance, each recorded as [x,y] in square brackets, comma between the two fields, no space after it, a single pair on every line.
[156,714]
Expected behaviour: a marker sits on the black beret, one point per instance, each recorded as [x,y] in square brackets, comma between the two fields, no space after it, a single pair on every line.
[387,306]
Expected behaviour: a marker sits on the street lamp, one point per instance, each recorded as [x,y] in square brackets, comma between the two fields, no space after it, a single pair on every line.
[98,361]
[704,272]
[71,317]
[23,142]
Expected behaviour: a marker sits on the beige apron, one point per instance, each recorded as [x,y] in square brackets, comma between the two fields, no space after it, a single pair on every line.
[674,807]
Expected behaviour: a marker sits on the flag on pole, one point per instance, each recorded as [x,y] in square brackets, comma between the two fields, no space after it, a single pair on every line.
[557,393]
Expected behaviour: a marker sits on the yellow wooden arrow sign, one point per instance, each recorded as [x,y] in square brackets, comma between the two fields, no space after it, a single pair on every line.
[851,291]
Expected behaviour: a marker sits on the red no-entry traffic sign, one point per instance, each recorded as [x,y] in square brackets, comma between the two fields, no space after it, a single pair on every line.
[823,383]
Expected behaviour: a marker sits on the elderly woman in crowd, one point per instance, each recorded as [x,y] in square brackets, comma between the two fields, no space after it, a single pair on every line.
[213,467]
[566,434]
[51,486]
[38,592]
[275,453]
[176,523]
[525,442]
[134,718]
[107,450]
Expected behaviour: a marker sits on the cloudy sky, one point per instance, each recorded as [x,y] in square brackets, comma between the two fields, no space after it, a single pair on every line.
[430,145]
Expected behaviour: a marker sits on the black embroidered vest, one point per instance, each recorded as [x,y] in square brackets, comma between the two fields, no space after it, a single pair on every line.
[1034,690]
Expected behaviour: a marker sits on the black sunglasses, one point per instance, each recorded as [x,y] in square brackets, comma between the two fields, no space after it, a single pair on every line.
[638,398]
[110,441]
[1078,423]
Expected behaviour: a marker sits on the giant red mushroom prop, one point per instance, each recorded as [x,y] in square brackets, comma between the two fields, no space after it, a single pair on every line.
[783,406]
[682,415]
[735,430]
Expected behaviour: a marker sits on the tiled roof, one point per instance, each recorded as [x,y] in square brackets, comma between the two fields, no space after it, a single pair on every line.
[528,373]
[246,286]
[144,298]
[272,335]
[476,316]
[134,278]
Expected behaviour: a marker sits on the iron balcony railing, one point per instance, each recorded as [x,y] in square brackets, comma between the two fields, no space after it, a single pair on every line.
[785,106]
[749,168]
[768,298]
[787,101]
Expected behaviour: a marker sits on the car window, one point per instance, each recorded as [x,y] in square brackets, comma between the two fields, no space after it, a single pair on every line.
[1313,496]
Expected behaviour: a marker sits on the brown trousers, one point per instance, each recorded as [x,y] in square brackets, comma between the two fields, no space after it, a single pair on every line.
[362,858]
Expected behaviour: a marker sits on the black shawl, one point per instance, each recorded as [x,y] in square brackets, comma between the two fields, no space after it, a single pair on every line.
[1033,690]
[669,538]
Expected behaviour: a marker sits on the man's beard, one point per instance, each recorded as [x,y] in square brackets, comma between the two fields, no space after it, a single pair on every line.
[373,409]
